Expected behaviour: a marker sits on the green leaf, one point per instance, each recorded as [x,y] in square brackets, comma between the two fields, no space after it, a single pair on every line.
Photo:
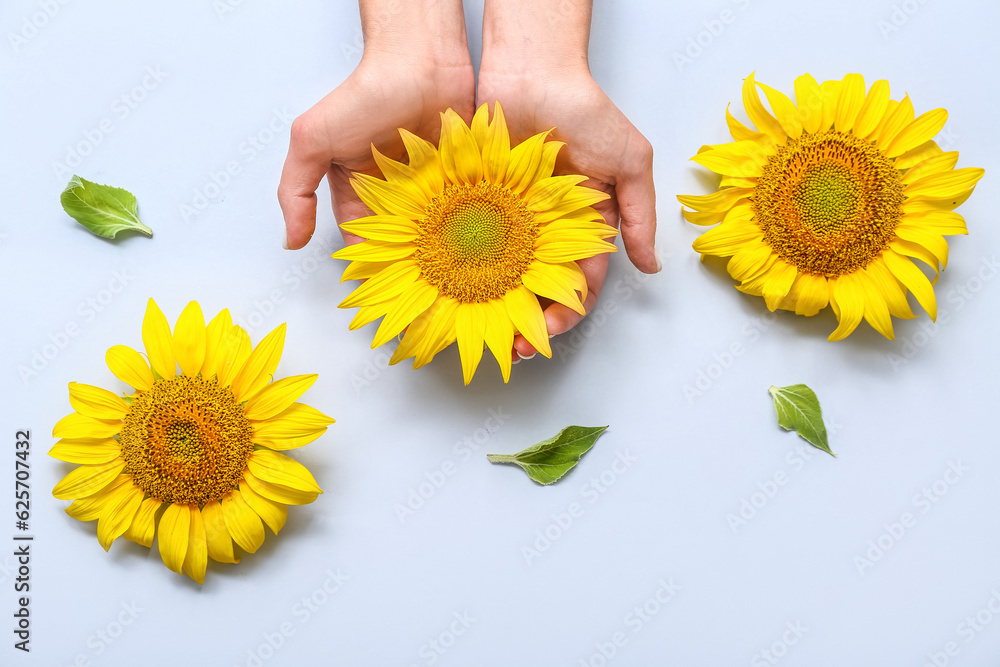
[798,409]
[102,209]
[550,459]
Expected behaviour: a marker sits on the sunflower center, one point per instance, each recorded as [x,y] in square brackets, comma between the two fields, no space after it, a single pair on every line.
[475,242]
[828,203]
[186,440]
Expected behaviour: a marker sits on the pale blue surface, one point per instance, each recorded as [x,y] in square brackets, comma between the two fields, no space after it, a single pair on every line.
[456,564]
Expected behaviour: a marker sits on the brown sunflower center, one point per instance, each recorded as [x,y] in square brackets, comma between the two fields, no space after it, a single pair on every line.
[828,203]
[475,242]
[186,440]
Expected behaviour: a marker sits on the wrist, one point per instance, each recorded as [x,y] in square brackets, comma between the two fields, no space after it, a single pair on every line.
[424,33]
[521,36]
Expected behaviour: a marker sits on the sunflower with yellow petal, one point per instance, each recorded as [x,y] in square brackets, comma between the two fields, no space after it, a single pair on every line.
[464,240]
[830,198]
[194,456]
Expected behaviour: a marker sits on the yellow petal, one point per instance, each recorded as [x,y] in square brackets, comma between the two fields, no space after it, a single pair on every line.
[390,228]
[913,278]
[480,124]
[90,508]
[891,289]
[848,301]
[188,341]
[939,222]
[234,350]
[86,450]
[809,101]
[524,161]
[384,199]
[361,270]
[926,238]
[156,337]
[425,162]
[117,514]
[470,327]
[779,281]
[242,522]
[852,96]
[741,158]
[741,132]
[559,252]
[432,331]
[876,308]
[499,336]
[830,91]
[173,535]
[277,492]
[784,110]
[936,164]
[260,367]
[917,251]
[897,119]
[915,156]
[297,419]
[721,201]
[274,514]
[873,110]
[215,334]
[750,260]
[129,367]
[727,239]
[277,468]
[945,185]
[87,480]
[547,280]
[143,526]
[812,294]
[386,285]
[278,396]
[922,129]
[75,425]
[549,192]
[461,158]
[403,178]
[96,402]
[414,300]
[196,559]
[526,315]
[496,147]
[375,251]
[217,539]
[758,115]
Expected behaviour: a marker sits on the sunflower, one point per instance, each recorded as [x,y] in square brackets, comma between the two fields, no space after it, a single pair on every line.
[200,449]
[464,240]
[829,200]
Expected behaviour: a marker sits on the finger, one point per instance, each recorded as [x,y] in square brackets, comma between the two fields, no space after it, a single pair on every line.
[559,318]
[306,164]
[637,206]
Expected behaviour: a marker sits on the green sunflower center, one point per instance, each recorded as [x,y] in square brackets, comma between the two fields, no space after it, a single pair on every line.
[475,242]
[186,440]
[828,203]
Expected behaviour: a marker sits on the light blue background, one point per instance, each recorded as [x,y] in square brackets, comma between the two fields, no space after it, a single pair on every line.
[227,76]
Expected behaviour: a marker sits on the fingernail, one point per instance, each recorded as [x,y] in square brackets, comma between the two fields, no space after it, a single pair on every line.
[531,357]
[284,239]
[516,360]
[659,264]
[551,336]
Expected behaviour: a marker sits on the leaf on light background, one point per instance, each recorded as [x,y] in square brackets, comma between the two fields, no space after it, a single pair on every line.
[550,459]
[102,209]
[798,409]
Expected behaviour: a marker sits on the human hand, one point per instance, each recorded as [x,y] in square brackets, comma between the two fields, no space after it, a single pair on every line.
[408,75]
[551,87]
